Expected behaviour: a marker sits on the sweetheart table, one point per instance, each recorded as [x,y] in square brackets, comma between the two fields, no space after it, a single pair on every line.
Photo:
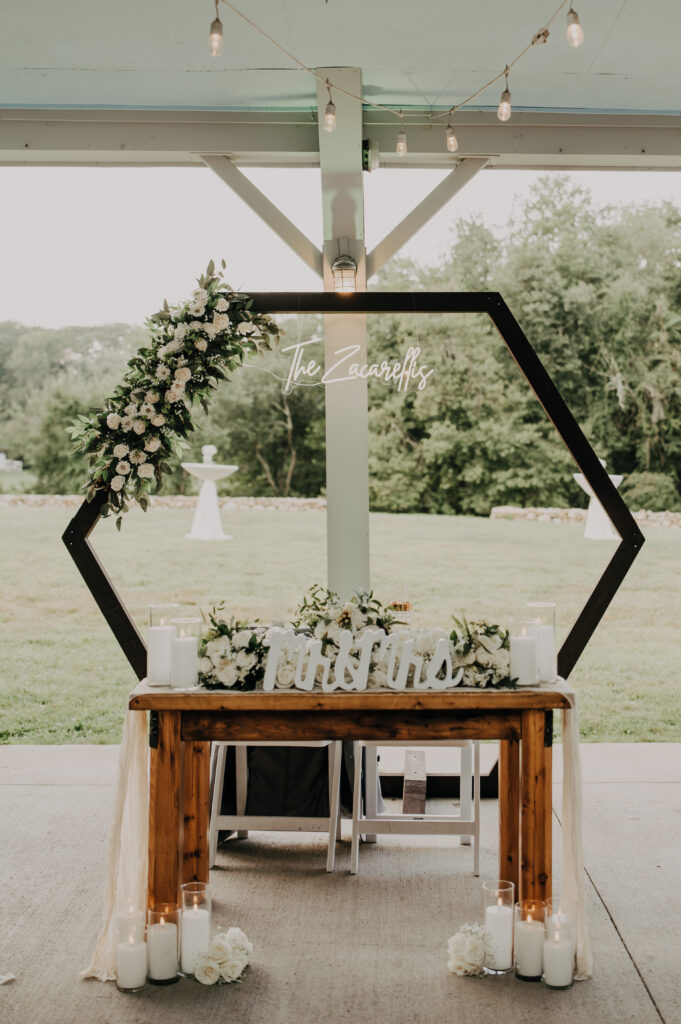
[182,724]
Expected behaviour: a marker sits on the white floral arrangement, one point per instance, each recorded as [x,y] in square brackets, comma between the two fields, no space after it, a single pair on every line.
[467,951]
[482,650]
[226,958]
[192,346]
[232,655]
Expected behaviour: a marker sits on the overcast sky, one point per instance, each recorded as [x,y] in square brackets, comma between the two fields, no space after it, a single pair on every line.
[95,245]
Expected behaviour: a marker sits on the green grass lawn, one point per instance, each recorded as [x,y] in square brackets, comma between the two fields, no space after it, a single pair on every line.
[63,678]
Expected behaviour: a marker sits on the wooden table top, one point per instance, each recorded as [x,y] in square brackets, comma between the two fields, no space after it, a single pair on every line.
[163,698]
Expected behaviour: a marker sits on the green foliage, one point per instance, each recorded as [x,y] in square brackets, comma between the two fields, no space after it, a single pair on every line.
[655,491]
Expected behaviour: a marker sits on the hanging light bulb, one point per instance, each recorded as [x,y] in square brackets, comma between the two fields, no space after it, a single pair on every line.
[504,109]
[575,32]
[330,113]
[344,270]
[215,37]
[452,141]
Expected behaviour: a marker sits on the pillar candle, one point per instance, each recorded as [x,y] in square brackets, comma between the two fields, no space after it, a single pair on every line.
[158,655]
[546,645]
[162,944]
[558,960]
[529,945]
[131,923]
[131,964]
[184,665]
[499,926]
[194,936]
[525,660]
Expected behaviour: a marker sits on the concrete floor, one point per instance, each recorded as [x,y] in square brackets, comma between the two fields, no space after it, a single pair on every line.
[348,949]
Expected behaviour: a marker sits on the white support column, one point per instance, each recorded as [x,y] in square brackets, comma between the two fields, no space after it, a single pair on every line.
[422,213]
[347,415]
[266,210]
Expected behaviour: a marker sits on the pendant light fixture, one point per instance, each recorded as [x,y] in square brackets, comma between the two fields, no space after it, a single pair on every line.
[215,37]
[575,32]
[504,109]
[344,270]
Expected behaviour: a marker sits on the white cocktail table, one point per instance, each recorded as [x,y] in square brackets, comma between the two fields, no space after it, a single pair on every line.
[206,524]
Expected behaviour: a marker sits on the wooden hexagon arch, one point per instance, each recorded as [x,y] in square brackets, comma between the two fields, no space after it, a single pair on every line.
[76,535]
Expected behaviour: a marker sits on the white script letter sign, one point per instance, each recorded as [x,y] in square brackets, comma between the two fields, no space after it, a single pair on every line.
[404,649]
[346,665]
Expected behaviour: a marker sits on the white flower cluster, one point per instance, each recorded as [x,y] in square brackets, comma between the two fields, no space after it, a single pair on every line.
[483,653]
[466,951]
[228,659]
[226,958]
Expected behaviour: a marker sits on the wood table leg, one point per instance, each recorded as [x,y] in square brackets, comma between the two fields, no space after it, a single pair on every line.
[535,816]
[509,811]
[165,803]
[195,865]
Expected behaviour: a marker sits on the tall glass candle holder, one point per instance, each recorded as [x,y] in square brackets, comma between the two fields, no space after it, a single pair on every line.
[545,631]
[159,643]
[498,900]
[184,659]
[524,651]
[559,953]
[131,959]
[195,926]
[129,919]
[163,944]
[528,939]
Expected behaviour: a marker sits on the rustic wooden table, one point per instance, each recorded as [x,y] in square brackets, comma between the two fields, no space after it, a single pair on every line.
[182,724]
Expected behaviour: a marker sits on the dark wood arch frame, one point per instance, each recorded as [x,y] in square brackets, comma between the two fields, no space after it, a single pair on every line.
[77,533]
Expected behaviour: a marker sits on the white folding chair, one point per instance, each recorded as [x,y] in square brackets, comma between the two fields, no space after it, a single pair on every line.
[241,822]
[366,819]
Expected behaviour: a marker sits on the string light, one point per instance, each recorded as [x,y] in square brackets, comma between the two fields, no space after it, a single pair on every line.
[575,32]
[504,110]
[215,37]
[330,113]
[575,35]
[452,141]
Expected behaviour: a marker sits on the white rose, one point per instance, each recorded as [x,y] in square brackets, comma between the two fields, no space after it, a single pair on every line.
[286,677]
[158,420]
[151,396]
[221,305]
[241,639]
[162,372]
[221,322]
[201,344]
[206,970]
[123,468]
[206,666]
[227,674]
[113,421]
[137,458]
[146,471]
[126,423]
[240,941]
[183,374]
[180,331]
[120,451]
[245,661]
[217,649]
[197,308]
[175,391]
[245,327]
[139,426]
[147,409]
[233,967]
[131,410]
[152,445]
[117,483]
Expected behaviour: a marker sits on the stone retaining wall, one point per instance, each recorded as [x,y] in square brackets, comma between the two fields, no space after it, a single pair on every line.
[168,501]
[578,515]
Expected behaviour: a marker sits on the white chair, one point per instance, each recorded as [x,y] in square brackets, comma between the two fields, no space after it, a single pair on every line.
[366,820]
[241,822]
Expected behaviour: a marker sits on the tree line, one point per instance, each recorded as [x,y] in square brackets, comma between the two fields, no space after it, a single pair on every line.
[597,292]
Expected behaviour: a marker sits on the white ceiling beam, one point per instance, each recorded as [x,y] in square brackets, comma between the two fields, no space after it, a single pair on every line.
[177,138]
[266,210]
[422,213]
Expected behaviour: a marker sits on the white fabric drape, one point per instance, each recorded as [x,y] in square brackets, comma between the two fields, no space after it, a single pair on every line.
[127,852]
[574,893]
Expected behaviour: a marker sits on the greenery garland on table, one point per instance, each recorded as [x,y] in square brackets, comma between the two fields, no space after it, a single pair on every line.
[192,346]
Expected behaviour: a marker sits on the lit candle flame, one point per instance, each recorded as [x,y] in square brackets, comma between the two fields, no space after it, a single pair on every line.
[196,904]
[163,921]
[499,902]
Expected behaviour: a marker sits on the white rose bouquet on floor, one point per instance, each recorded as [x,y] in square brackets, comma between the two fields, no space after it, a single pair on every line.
[232,655]
[147,419]
[482,649]
[467,950]
[226,958]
